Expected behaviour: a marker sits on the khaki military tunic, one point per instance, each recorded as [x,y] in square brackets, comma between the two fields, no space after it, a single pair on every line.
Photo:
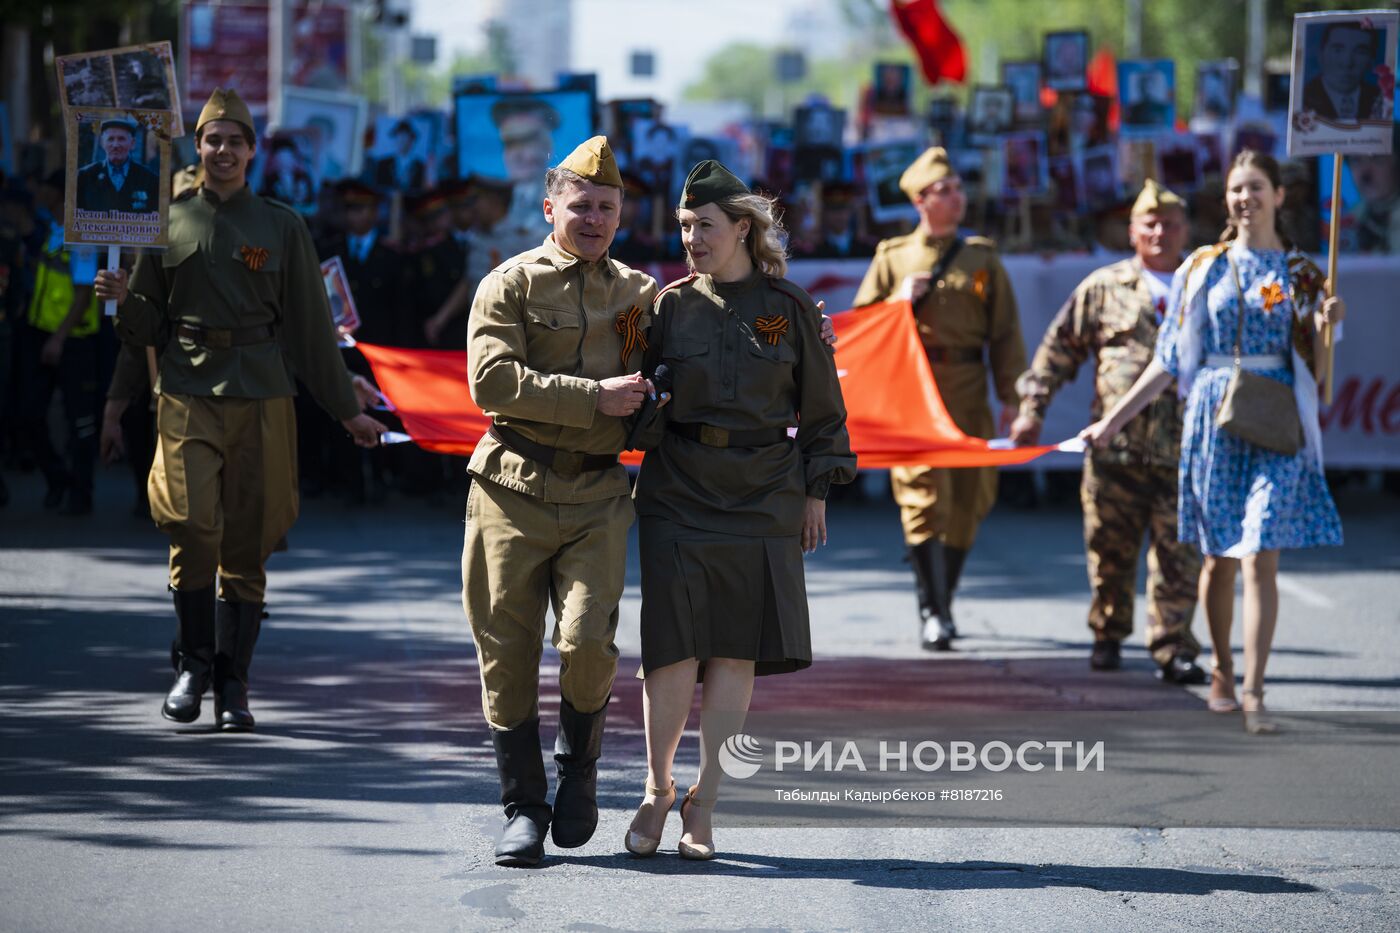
[722,572]
[223,484]
[970,308]
[544,331]
[1130,488]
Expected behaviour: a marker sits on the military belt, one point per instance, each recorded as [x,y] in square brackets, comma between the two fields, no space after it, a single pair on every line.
[218,339]
[711,436]
[563,462]
[954,354]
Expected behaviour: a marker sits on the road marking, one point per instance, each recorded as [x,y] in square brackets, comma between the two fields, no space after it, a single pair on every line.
[1303,593]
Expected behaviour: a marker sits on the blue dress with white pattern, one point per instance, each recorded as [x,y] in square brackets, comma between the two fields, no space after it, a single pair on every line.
[1234,498]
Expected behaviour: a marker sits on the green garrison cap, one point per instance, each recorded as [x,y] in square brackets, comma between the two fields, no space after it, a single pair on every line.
[709,182]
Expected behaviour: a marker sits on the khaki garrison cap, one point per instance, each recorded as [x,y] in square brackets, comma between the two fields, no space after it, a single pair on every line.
[225,105]
[593,161]
[928,168]
[1154,198]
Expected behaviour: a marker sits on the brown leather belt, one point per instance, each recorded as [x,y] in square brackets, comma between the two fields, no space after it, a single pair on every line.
[712,436]
[954,354]
[223,339]
[563,462]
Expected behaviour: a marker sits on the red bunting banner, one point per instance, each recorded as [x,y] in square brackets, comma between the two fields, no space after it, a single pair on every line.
[893,411]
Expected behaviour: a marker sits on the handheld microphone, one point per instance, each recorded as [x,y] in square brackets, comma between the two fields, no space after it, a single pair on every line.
[661,381]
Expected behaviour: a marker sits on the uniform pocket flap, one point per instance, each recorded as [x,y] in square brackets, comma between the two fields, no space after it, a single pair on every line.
[682,347]
[784,352]
[553,318]
[177,253]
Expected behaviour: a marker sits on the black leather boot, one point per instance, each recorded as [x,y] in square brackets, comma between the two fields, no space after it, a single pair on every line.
[954,558]
[523,794]
[576,752]
[236,628]
[192,653]
[935,596]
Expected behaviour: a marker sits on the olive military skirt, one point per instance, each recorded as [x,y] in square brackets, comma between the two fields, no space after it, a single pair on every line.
[706,594]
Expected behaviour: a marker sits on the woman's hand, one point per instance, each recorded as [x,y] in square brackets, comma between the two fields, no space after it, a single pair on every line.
[813,524]
[1334,311]
[1099,433]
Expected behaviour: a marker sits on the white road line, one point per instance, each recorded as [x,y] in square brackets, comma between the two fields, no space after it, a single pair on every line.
[1293,589]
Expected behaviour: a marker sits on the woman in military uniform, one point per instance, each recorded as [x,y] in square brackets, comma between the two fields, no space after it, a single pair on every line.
[728,501]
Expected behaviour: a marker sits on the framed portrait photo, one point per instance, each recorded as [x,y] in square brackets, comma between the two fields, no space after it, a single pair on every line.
[990,115]
[133,77]
[1024,80]
[117,171]
[1147,95]
[1342,96]
[336,126]
[1066,58]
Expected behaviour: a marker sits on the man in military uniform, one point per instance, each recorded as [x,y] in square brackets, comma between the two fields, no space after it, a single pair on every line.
[553,334]
[118,182]
[1130,487]
[967,319]
[237,302]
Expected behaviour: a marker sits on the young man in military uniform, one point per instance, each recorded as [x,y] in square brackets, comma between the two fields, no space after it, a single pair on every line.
[1130,487]
[237,302]
[553,355]
[966,316]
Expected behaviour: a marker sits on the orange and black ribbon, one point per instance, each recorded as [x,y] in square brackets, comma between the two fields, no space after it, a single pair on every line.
[1272,295]
[632,336]
[254,257]
[979,284]
[772,328]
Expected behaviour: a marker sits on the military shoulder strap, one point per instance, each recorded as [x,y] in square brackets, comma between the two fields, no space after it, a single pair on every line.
[656,336]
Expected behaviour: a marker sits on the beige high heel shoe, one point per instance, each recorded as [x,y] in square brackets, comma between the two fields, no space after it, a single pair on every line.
[1256,718]
[696,851]
[645,846]
[1222,691]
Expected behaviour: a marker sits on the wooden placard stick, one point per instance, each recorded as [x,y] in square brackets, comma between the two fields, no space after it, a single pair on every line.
[1333,235]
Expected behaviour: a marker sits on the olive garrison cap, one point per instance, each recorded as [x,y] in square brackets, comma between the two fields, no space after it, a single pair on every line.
[709,182]
[930,167]
[225,105]
[1155,198]
[593,161]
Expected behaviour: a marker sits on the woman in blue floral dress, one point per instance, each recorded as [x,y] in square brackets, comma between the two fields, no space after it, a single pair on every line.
[1240,503]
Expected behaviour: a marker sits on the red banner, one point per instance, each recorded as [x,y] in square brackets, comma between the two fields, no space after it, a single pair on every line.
[894,413]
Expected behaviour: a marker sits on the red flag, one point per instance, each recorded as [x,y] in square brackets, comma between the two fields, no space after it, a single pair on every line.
[939,49]
[1103,81]
[879,349]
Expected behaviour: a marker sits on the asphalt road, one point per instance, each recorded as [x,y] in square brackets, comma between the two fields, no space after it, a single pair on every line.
[366,799]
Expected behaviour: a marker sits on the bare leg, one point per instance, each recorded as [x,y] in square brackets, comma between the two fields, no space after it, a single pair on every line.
[1217,595]
[725,700]
[667,695]
[1260,620]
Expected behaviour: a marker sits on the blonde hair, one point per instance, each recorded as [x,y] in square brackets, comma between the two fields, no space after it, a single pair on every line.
[766,241]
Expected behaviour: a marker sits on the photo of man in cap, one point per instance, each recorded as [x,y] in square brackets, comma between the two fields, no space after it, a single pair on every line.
[403,170]
[117,182]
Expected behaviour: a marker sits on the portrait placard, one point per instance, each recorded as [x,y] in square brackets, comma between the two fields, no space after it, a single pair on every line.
[342,300]
[1147,95]
[118,163]
[133,77]
[990,114]
[1024,80]
[883,164]
[1342,93]
[336,124]
[1067,60]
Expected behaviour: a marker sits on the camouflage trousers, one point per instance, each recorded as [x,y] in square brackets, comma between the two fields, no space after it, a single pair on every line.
[1121,504]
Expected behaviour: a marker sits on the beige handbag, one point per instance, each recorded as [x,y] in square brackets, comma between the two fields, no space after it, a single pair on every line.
[1256,409]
